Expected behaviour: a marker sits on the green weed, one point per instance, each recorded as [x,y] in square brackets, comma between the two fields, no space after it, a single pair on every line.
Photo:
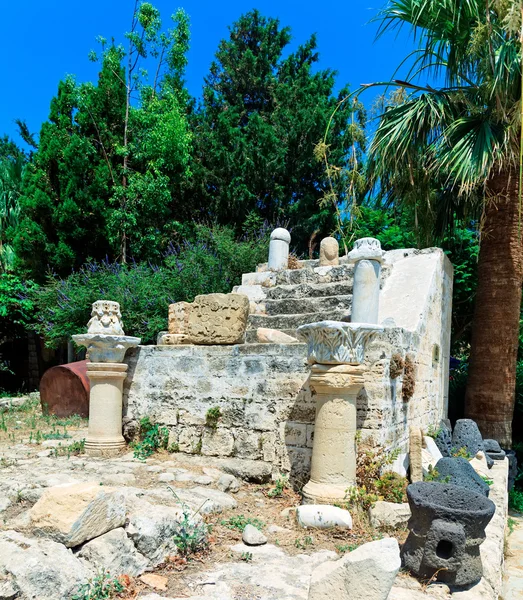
[241,521]
[212,416]
[102,587]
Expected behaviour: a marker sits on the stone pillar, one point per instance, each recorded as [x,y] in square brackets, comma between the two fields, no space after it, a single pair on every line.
[106,345]
[104,437]
[415,454]
[329,252]
[367,256]
[333,469]
[279,249]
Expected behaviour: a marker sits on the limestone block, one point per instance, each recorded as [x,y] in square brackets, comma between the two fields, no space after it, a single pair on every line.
[415,452]
[218,319]
[389,514]
[273,336]
[217,442]
[179,317]
[323,516]
[253,536]
[329,252]
[432,447]
[41,569]
[114,552]
[74,514]
[228,483]
[152,527]
[367,572]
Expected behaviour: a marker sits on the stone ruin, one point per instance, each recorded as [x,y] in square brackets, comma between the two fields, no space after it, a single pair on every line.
[262,390]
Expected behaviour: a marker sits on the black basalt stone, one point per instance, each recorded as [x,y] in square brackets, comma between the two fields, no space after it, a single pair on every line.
[444,440]
[447,527]
[493,449]
[467,435]
[458,471]
[512,467]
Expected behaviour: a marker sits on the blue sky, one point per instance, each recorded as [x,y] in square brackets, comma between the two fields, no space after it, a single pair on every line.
[42,41]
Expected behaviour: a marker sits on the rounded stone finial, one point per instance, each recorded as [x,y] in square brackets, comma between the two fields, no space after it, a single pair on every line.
[366,249]
[281,234]
[329,252]
[105,318]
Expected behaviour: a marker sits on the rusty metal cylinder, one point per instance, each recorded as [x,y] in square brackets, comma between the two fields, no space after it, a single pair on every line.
[64,390]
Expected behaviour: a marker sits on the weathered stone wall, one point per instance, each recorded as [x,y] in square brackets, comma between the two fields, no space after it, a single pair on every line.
[262,389]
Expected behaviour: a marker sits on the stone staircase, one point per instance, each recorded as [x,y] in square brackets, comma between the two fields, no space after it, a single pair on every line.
[286,299]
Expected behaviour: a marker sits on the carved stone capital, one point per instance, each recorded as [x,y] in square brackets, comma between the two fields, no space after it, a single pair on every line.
[106,348]
[366,248]
[105,318]
[336,342]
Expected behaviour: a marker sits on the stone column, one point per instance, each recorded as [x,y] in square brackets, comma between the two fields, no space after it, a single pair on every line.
[336,351]
[279,249]
[367,256]
[104,437]
[333,469]
[106,345]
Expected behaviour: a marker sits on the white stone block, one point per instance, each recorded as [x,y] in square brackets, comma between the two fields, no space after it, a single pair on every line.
[323,516]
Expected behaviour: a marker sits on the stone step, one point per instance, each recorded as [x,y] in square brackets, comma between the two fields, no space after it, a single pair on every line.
[309,290]
[296,306]
[296,276]
[292,322]
[252,338]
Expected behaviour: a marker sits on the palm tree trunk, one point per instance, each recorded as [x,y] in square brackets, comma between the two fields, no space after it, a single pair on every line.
[495,331]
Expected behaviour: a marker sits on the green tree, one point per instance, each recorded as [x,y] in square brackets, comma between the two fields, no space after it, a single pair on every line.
[465,134]
[256,130]
[100,183]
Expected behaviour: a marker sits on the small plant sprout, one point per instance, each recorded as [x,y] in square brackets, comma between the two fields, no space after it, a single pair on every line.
[191,533]
[281,484]
[246,556]
[212,416]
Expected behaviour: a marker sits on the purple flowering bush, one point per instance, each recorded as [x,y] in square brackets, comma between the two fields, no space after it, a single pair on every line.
[211,260]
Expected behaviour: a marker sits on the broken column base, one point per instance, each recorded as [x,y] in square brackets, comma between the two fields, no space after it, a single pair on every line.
[104,437]
[318,493]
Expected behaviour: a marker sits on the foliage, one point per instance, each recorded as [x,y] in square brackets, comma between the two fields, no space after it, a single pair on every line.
[101,180]
[239,522]
[246,557]
[152,438]
[515,500]
[373,481]
[209,260]
[102,587]
[16,305]
[212,416]
[73,449]
[277,491]
[191,535]
[461,453]
[255,132]
[433,431]
[433,475]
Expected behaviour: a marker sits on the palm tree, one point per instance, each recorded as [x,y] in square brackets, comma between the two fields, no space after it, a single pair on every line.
[465,135]
[11,173]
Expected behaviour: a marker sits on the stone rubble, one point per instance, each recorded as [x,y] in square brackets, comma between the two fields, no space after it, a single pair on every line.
[367,572]
[253,536]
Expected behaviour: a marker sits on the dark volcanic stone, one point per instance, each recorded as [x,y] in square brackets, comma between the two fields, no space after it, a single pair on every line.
[512,467]
[467,435]
[458,471]
[493,449]
[444,440]
[447,527]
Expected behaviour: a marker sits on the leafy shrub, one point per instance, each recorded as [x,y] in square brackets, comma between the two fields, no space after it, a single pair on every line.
[373,482]
[191,536]
[515,500]
[152,438]
[102,587]
[461,453]
[209,260]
